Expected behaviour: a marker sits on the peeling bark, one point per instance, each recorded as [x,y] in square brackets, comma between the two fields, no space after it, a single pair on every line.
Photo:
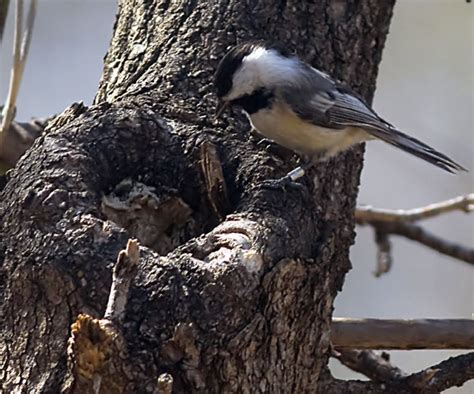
[243,303]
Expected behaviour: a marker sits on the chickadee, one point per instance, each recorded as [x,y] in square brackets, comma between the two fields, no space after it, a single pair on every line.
[304,109]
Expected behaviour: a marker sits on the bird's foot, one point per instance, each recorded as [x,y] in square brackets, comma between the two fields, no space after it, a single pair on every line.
[265,142]
[288,181]
[271,146]
[285,183]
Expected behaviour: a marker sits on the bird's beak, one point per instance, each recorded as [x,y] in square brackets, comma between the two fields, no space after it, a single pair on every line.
[221,107]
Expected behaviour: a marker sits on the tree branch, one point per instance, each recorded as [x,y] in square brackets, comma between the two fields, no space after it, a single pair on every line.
[123,274]
[368,214]
[424,237]
[96,347]
[30,22]
[449,373]
[4,5]
[399,222]
[384,253]
[376,367]
[402,334]
[454,371]
[15,140]
[8,111]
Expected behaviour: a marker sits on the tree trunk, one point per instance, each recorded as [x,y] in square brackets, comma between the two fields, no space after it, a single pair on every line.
[236,282]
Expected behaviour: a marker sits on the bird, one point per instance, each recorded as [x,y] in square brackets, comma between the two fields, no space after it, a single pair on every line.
[304,109]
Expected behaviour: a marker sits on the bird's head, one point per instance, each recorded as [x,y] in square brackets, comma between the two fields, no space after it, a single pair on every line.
[249,72]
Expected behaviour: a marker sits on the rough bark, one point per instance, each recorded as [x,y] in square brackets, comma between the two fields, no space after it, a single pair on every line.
[240,304]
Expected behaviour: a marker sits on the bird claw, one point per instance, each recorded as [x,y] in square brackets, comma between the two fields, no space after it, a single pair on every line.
[283,183]
[265,142]
[269,145]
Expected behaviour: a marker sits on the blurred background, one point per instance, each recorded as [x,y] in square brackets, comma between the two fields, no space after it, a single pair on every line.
[425,87]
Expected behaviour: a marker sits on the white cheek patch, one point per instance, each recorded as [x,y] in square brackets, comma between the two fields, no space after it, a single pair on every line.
[262,68]
[244,82]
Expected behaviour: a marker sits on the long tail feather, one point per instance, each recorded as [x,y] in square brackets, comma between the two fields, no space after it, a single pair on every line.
[417,148]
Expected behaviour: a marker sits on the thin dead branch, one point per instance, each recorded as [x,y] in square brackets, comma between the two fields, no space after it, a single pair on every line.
[384,255]
[387,222]
[367,214]
[375,366]
[16,73]
[96,347]
[454,371]
[123,274]
[403,334]
[8,134]
[4,5]
[424,237]
[449,373]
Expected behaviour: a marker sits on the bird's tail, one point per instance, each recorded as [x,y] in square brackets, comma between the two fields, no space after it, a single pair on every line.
[417,148]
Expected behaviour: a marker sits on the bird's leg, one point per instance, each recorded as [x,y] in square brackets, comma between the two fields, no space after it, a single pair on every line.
[301,170]
[265,142]
[289,180]
[284,182]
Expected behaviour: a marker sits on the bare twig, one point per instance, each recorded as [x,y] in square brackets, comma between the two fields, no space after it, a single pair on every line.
[15,78]
[454,371]
[15,139]
[367,214]
[4,5]
[399,222]
[123,274]
[30,22]
[384,256]
[402,334]
[376,367]
[97,353]
[20,53]
[449,373]
[424,237]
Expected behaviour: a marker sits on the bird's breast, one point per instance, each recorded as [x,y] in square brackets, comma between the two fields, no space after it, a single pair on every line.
[280,124]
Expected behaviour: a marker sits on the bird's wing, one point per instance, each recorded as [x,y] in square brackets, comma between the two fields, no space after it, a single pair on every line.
[349,110]
[325,103]
[320,100]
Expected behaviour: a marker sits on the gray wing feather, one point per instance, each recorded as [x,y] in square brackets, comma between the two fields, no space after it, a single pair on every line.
[348,110]
[323,102]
